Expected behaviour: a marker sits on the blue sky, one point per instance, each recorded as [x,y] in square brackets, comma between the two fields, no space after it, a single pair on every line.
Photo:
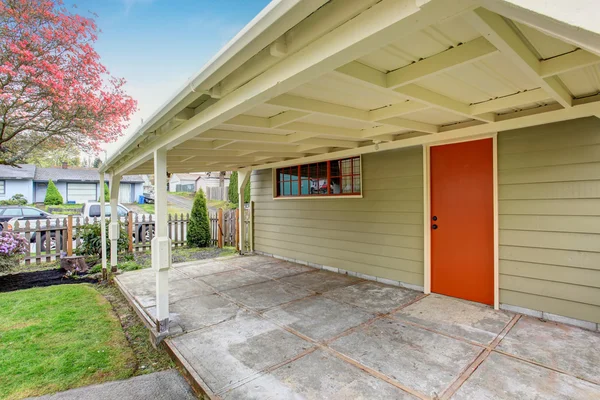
[156,45]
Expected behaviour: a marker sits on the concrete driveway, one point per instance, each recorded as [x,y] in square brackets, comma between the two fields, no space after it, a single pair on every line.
[256,327]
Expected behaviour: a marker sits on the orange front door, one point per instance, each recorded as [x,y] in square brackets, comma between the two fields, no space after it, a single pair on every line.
[462,220]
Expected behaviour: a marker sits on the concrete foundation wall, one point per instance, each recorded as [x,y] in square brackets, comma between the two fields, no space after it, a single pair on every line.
[380,234]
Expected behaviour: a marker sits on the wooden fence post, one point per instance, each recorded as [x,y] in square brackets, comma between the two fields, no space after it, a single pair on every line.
[237,229]
[220,228]
[130,230]
[69,235]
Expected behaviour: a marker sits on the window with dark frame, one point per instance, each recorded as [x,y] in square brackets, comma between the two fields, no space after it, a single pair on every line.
[326,178]
[2,187]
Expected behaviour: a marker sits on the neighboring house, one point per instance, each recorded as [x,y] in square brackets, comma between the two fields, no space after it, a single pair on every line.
[76,185]
[211,179]
[17,181]
[200,180]
[183,182]
[439,145]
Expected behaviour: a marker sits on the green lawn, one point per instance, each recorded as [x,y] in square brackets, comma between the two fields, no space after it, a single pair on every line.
[171,209]
[224,204]
[57,338]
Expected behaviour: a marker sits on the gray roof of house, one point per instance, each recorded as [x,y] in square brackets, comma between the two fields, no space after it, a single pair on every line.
[26,171]
[76,175]
[30,171]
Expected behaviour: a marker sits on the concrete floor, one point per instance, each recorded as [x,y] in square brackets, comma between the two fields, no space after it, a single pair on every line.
[256,327]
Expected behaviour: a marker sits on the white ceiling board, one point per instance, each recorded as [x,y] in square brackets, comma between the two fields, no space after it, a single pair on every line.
[265,110]
[546,46]
[321,119]
[332,89]
[238,128]
[480,81]
[582,82]
[426,43]
[435,116]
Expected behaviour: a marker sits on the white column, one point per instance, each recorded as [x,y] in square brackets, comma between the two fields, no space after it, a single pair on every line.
[113,230]
[243,178]
[161,244]
[103,227]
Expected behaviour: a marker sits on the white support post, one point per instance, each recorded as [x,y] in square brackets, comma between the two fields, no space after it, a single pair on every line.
[161,244]
[113,230]
[103,226]
[243,177]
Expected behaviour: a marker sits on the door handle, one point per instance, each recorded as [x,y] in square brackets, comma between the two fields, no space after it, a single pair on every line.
[434,226]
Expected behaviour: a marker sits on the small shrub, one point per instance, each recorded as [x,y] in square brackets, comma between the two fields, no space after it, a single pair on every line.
[106,194]
[198,230]
[91,236]
[130,266]
[17,200]
[12,248]
[233,190]
[53,196]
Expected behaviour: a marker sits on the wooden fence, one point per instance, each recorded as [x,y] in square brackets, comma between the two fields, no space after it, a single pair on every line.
[48,238]
[217,193]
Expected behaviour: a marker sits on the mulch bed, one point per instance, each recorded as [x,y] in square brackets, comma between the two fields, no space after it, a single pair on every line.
[27,280]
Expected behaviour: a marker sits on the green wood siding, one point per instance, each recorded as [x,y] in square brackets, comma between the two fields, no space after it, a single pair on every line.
[380,234]
[549,217]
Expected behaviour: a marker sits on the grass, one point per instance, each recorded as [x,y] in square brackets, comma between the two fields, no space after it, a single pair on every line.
[57,338]
[149,209]
[224,204]
[61,337]
[184,194]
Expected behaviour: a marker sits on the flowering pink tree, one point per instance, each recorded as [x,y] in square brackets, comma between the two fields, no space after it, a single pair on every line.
[53,89]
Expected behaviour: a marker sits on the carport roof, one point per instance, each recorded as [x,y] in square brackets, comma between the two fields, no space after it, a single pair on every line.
[312,80]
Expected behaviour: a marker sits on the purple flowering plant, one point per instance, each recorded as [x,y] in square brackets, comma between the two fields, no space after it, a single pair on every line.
[12,246]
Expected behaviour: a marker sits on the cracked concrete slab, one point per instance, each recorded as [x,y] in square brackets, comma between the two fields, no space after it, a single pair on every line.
[568,348]
[503,377]
[196,271]
[318,317]
[471,321]
[315,376]
[374,297]
[279,269]
[143,287]
[233,279]
[199,312]
[320,281]
[422,360]
[237,349]
[266,294]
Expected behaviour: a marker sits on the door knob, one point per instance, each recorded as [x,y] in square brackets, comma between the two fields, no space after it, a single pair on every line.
[434,218]
[434,226]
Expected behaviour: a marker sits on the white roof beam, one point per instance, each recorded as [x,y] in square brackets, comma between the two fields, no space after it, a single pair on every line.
[522,120]
[243,136]
[328,143]
[512,101]
[418,93]
[567,62]
[463,54]
[495,29]
[285,118]
[396,110]
[376,26]
[323,130]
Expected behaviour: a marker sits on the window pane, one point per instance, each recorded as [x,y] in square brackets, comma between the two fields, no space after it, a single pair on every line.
[335,168]
[347,184]
[304,171]
[286,188]
[2,187]
[281,175]
[32,212]
[305,187]
[356,184]
[13,212]
[335,186]
[346,167]
[356,167]
[280,189]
